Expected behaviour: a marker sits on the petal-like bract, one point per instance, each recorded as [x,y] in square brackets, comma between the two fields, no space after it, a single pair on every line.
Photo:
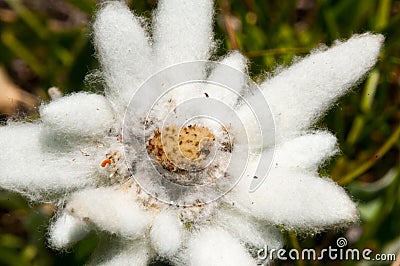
[303,92]
[182,31]
[307,151]
[67,230]
[124,52]
[214,247]
[166,233]
[121,252]
[28,162]
[247,229]
[79,114]
[300,200]
[110,209]
[230,71]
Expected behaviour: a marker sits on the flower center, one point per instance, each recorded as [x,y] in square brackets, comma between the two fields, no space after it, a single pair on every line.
[185,149]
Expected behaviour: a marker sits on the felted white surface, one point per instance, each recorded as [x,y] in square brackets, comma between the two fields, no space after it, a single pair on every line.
[231,71]
[67,230]
[182,31]
[303,92]
[214,247]
[166,233]
[297,200]
[124,52]
[28,164]
[79,114]
[113,251]
[307,151]
[110,209]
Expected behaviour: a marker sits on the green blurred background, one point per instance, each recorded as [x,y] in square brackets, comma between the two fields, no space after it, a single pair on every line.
[46,43]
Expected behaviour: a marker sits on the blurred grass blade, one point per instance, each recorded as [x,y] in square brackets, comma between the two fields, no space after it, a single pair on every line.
[369,91]
[277,51]
[331,23]
[388,199]
[22,52]
[295,243]
[369,163]
[370,210]
[383,14]
[366,104]
[28,17]
[87,6]
[368,191]
[64,55]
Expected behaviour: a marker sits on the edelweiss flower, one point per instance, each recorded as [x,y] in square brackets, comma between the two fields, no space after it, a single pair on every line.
[85,155]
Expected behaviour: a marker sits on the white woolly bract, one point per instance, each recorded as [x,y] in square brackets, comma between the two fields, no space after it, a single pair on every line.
[182,31]
[124,52]
[302,93]
[67,230]
[232,72]
[307,151]
[215,247]
[298,200]
[29,162]
[167,233]
[79,114]
[113,251]
[248,230]
[110,209]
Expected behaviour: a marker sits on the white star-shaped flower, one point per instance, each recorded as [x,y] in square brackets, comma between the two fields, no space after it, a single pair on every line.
[76,154]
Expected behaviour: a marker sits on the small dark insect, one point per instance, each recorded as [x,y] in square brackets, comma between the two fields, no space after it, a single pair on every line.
[206,94]
[255,177]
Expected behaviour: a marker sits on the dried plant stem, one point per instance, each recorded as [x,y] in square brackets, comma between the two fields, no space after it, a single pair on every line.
[225,10]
